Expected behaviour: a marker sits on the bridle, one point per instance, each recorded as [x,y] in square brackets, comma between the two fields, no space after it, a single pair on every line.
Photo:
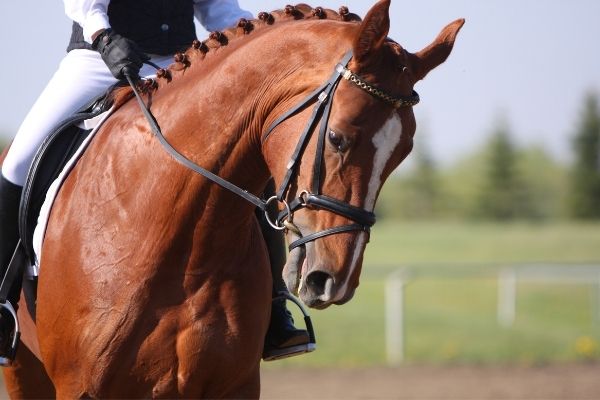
[314,199]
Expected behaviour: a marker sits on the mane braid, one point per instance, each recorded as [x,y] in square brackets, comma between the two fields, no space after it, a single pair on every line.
[201,49]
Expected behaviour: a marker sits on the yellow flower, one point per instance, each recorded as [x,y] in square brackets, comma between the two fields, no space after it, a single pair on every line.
[586,346]
[450,350]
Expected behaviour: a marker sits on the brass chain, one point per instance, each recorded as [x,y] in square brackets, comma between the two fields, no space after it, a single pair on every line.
[395,102]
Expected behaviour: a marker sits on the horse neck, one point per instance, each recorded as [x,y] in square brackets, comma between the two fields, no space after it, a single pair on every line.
[233,96]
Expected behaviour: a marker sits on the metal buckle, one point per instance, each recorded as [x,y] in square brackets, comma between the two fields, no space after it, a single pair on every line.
[303,197]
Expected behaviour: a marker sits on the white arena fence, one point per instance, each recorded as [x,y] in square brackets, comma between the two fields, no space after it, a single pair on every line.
[508,278]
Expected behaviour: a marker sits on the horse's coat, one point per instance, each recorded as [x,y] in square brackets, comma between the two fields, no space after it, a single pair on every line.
[160,285]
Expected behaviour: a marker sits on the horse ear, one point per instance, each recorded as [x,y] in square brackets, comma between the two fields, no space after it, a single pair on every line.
[373,31]
[437,52]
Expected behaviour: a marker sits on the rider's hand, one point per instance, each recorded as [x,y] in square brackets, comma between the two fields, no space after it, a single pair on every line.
[120,54]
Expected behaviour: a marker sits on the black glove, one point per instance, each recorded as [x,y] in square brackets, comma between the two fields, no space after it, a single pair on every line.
[119,54]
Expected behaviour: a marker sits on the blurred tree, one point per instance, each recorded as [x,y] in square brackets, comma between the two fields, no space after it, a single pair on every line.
[422,188]
[498,181]
[546,183]
[462,182]
[502,195]
[584,194]
[388,202]
[416,193]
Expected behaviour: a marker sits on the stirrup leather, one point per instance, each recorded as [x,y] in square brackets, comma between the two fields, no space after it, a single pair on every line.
[301,348]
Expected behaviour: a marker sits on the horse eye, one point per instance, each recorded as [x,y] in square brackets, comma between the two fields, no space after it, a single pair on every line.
[338,141]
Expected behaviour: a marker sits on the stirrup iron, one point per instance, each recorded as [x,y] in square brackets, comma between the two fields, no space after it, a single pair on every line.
[13,272]
[301,348]
[7,359]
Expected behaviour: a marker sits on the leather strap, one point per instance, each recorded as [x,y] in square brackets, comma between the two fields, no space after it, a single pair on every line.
[294,110]
[293,163]
[308,99]
[258,202]
[319,154]
[323,96]
[354,213]
[327,232]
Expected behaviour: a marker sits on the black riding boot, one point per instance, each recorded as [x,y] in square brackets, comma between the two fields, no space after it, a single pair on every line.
[10,196]
[283,338]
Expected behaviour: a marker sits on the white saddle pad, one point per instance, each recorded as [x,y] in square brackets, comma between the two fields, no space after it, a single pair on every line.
[40,229]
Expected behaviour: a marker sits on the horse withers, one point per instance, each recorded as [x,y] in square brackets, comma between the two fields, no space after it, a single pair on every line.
[154,281]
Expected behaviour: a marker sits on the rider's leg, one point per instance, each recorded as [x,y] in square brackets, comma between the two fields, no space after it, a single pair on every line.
[283,338]
[81,77]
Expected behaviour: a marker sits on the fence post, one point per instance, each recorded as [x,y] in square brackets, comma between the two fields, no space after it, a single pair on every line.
[507,293]
[596,303]
[394,309]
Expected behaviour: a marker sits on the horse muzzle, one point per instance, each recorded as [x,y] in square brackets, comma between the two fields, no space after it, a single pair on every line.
[319,290]
[316,287]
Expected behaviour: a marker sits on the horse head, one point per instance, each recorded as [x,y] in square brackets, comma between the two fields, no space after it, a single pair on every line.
[364,132]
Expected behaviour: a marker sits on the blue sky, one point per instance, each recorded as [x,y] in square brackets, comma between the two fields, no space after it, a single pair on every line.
[527,61]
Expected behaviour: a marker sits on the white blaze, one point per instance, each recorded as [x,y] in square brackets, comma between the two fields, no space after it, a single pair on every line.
[385,141]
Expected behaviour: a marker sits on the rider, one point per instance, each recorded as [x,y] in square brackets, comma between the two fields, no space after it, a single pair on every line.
[107,38]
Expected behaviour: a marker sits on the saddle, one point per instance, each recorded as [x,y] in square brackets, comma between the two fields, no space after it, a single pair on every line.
[49,161]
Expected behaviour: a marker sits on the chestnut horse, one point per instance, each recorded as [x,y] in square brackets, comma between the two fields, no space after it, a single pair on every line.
[154,280]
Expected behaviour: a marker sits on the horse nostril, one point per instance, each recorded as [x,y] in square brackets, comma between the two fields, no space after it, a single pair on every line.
[320,284]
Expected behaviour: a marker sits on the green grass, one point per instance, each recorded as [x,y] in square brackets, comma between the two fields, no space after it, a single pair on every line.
[451,298]
[458,323]
[465,243]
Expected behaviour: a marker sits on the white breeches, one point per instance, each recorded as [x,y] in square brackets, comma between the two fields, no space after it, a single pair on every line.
[81,77]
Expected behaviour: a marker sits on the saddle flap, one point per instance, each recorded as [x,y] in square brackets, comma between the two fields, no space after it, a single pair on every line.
[47,164]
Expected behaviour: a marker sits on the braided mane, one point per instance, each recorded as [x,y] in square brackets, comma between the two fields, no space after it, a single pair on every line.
[201,49]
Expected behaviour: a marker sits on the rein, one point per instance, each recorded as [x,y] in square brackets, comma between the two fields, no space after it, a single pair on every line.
[363,219]
[257,201]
